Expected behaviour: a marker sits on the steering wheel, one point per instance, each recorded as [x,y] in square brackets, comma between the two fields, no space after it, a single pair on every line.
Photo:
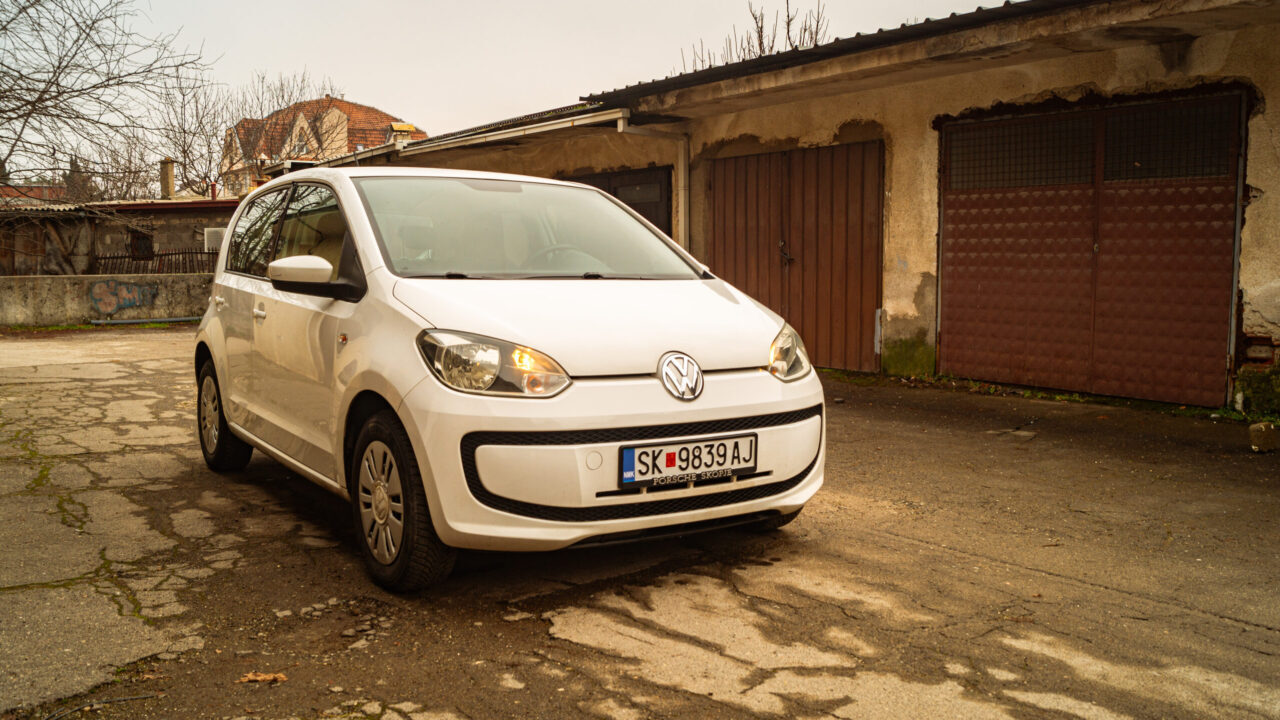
[548,250]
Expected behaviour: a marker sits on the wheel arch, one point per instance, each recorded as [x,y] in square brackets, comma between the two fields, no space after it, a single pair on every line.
[363,406]
[203,355]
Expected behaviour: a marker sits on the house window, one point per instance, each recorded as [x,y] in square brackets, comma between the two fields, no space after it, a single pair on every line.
[300,148]
[140,245]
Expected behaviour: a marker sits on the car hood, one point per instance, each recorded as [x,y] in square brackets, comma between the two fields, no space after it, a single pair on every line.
[604,327]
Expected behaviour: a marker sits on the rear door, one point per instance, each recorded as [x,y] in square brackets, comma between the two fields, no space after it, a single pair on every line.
[235,293]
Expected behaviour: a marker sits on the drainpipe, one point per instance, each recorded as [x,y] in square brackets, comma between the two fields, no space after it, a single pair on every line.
[681,190]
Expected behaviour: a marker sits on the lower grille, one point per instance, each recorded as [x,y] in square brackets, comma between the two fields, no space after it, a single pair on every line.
[676,531]
[623,511]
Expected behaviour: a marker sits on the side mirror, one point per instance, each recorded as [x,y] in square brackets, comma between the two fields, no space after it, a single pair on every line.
[310,275]
[307,269]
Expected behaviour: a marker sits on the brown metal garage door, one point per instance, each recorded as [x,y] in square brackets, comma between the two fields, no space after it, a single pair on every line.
[1093,250]
[800,231]
[647,191]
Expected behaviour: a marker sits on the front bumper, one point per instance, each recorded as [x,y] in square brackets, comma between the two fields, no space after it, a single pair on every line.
[541,474]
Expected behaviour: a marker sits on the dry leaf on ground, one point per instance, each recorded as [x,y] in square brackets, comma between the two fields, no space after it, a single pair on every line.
[262,677]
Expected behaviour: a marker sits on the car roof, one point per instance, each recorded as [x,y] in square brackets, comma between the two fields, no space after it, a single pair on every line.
[332,174]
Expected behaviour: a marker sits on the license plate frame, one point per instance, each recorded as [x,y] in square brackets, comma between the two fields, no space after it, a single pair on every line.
[632,456]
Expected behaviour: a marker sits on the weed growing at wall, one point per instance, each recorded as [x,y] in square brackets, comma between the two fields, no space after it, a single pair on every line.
[1261,390]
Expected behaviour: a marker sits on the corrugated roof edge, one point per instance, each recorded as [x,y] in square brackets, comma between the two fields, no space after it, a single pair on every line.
[127,205]
[581,108]
[565,111]
[836,48]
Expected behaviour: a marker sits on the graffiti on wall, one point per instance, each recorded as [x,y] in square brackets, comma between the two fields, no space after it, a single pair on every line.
[109,296]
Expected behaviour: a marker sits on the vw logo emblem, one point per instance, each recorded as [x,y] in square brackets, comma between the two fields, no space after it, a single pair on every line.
[681,376]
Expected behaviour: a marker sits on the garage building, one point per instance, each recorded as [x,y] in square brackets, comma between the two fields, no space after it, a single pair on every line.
[1067,194]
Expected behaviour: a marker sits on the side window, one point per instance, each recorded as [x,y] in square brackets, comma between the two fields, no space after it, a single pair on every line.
[313,225]
[251,240]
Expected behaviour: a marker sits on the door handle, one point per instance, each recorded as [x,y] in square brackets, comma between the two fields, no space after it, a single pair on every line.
[219,302]
[259,313]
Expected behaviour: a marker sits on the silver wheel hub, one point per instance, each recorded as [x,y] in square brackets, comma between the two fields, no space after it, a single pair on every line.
[209,413]
[380,500]
[381,504]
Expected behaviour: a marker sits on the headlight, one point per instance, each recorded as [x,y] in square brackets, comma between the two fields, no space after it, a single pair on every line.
[478,364]
[787,359]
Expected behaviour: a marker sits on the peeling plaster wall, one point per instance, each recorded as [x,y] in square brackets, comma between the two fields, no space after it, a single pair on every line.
[903,114]
[599,151]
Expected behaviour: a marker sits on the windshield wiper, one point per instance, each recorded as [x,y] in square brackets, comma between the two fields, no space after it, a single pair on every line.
[451,275]
[588,275]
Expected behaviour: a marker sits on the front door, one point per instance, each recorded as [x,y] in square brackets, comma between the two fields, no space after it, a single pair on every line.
[298,344]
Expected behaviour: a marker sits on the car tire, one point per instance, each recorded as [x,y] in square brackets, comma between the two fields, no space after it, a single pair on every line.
[222,450]
[774,523]
[393,523]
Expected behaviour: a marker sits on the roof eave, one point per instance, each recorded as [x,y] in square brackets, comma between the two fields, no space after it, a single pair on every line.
[837,48]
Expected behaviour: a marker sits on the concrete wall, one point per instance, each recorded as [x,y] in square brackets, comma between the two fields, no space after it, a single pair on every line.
[78,299]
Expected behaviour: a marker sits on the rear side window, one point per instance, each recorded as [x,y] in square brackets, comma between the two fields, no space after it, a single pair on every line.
[313,225]
[251,240]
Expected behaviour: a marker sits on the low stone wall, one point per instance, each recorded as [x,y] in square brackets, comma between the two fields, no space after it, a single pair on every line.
[78,299]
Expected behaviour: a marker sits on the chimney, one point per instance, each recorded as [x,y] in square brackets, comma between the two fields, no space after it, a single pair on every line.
[400,131]
[166,178]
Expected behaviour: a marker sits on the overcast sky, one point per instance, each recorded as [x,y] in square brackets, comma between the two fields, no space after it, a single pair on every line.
[448,64]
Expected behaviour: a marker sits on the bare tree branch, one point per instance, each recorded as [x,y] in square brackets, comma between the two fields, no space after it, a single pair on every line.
[76,78]
[798,33]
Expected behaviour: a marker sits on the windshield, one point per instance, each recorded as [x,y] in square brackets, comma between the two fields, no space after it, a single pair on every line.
[470,228]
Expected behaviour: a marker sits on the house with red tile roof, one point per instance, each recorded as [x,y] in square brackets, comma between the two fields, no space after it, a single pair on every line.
[311,130]
[33,194]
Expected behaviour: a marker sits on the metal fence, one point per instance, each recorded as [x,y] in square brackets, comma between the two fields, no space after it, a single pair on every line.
[174,261]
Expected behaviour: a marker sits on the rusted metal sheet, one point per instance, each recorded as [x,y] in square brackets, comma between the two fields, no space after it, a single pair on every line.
[801,232]
[1093,250]
[1017,285]
[1164,290]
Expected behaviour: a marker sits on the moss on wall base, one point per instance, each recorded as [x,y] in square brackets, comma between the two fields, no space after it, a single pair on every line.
[1261,390]
[908,357]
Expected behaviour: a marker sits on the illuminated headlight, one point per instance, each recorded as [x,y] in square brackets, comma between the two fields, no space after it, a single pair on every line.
[478,364]
[787,359]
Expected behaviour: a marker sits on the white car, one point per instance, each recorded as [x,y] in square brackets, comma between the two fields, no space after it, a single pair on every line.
[497,362]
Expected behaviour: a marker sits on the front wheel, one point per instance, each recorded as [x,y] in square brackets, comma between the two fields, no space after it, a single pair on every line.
[397,541]
[223,452]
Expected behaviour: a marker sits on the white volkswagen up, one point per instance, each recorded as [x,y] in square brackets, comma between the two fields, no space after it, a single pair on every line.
[497,362]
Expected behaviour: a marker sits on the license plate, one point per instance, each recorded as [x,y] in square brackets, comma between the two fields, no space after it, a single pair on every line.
[684,462]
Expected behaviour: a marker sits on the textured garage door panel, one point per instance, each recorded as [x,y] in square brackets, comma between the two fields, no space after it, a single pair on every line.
[1164,277]
[1018,285]
[1093,250]
[801,231]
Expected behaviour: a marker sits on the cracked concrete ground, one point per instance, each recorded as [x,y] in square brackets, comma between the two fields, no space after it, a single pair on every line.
[970,556]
